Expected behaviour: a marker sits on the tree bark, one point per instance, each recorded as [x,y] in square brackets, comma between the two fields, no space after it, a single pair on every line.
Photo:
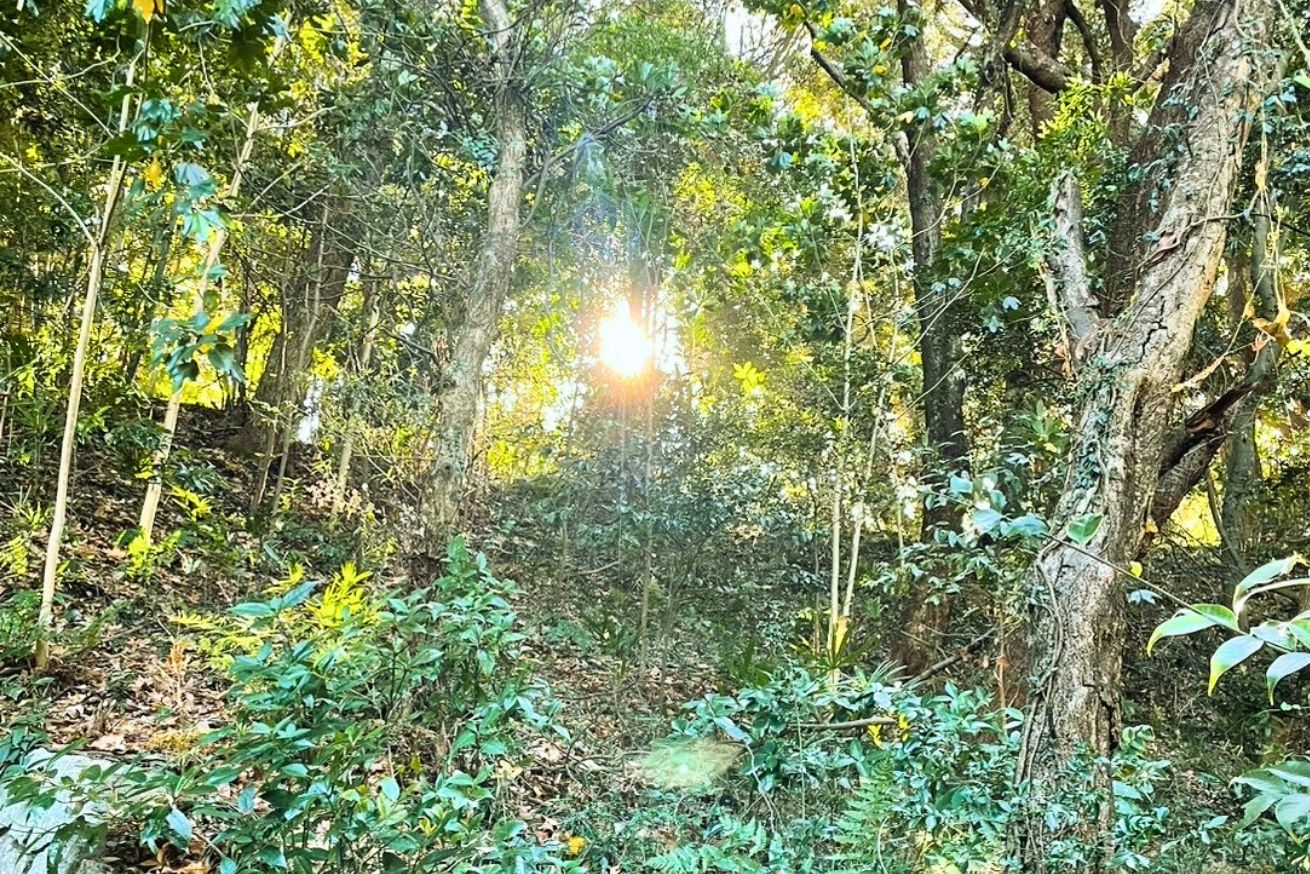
[452,437]
[96,251]
[944,382]
[308,310]
[1242,466]
[1172,230]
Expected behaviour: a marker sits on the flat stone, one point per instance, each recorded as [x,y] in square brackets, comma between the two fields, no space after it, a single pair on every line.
[27,833]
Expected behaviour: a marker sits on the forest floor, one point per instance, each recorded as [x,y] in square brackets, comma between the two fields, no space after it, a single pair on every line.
[130,678]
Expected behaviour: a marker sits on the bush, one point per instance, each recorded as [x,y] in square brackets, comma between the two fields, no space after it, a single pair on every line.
[364,733]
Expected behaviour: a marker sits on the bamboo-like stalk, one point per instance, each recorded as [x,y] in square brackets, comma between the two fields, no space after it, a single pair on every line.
[95,277]
[150,505]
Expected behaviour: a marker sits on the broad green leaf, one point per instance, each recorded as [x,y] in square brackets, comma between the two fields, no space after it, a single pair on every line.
[985,519]
[1230,654]
[1285,665]
[1293,771]
[390,789]
[1266,572]
[1259,577]
[1252,809]
[1028,525]
[1081,531]
[1189,621]
[1300,629]
[1275,634]
[1291,811]
[252,608]
[180,825]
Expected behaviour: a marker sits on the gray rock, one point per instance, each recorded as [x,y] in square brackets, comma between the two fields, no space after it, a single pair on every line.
[28,842]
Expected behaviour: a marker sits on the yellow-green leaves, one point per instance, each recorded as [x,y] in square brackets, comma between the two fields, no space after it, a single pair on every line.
[1230,654]
[1266,579]
[1189,620]
[148,8]
[1285,665]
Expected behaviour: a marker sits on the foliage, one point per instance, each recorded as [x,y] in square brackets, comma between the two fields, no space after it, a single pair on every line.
[331,761]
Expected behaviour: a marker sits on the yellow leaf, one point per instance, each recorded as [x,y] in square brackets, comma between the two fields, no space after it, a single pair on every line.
[1135,568]
[148,8]
[153,175]
[1150,527]
[577,844]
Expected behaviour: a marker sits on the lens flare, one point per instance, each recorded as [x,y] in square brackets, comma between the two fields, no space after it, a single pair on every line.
[624,347]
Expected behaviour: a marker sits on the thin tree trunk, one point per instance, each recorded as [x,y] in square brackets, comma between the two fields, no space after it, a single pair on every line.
[150,504]
[942,399]
[1076,636]
[352,410]
[1242,466]
[95,276]
[453,432]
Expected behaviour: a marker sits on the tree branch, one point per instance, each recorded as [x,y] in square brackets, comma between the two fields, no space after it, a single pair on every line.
[836,75]
[1068,286]
[1043,71]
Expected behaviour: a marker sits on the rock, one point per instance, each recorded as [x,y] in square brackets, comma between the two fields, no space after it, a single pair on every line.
[27,831]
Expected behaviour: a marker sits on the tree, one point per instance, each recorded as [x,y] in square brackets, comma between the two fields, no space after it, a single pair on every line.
[1171,226]
[479,324]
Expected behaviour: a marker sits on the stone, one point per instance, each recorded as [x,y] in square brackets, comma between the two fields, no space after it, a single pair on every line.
[27,832]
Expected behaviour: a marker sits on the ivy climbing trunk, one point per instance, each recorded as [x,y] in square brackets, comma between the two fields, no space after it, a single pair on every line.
[476,331]
[1173,225]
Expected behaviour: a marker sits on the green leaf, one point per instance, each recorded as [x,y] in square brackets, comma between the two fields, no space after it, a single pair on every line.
[1285,665]
[1186,621]
[227,866]
[1081,531]
[985,519]
[1252,809]
[1293,771]
[252,608]
[1266,572]
[961,485]
[1292,810]
[96,10]
[180,825]
[390,789]
[1230,654]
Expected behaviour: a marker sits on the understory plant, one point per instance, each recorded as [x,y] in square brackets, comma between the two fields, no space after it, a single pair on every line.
[367,732]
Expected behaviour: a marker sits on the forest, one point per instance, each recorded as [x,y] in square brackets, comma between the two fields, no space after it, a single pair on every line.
[806,437]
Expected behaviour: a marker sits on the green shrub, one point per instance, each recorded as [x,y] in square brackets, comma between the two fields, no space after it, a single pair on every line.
[363,737]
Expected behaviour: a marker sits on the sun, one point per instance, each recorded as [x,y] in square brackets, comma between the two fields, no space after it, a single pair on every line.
[624,347]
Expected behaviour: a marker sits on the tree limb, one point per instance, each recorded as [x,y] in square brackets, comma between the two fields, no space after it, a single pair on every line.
[1043,71]
[1068,286]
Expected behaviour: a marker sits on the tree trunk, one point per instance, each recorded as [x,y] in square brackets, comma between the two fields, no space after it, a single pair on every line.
[150,503]
[307,313]
[452,437]
[1242,466]
[939,353]
[96,242]
[1174,243]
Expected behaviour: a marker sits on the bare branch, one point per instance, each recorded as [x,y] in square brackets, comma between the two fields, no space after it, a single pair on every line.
[1042,70]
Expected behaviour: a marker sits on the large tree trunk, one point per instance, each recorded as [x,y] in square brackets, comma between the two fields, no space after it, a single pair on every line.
[474,335]
[1171,230]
